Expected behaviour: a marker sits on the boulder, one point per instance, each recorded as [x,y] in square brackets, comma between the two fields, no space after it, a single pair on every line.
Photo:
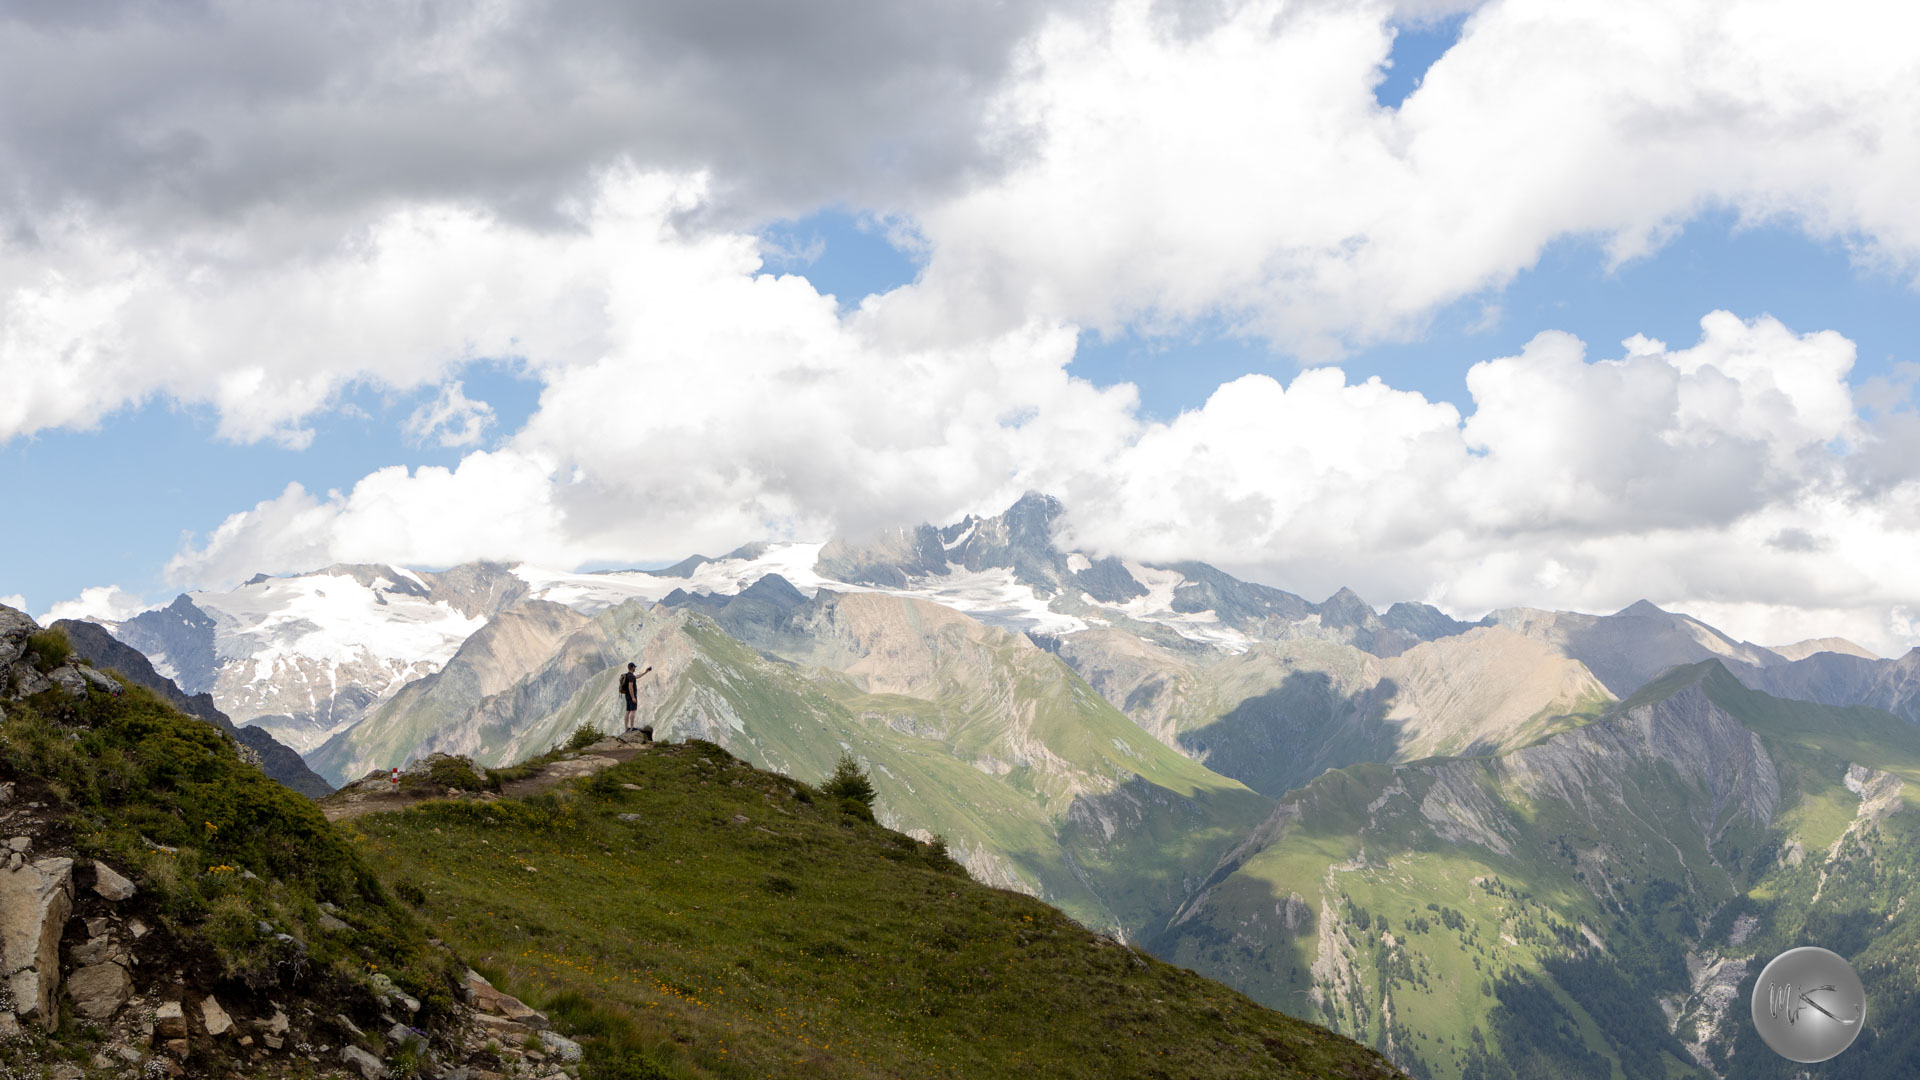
[214,1017]
[35,900]
[98,991]
[560,1046]
[169,1021]
[369,1067]
[108,883]
[488,1000]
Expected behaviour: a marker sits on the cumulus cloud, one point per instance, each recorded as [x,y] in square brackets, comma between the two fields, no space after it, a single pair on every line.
[15,601]
[255,206]
[107,603]
[1245,170]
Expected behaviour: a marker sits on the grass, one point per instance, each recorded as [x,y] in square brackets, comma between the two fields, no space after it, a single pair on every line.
[738,924]
[216,848]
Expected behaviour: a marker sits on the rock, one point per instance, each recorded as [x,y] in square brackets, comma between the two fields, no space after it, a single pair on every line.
[400,1035]
[631,817]
[6,793]
[169,1021]
[349,1026]
[100,681]
[369,1066]
[35,900]
[333,925]
[68,678]
[177,1047]
[216,1018]
[502,1030]
[137,928]
[9,1027]
[97,950]
[21,844]
[560,1046]
[488,1000]
[96,927]
[66,1070]
[99,990]
[275,1024]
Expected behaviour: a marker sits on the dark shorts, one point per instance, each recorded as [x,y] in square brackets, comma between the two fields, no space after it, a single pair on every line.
[632,704]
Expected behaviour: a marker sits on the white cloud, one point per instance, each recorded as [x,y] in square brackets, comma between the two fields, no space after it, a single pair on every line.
[1246,170]
[451,419]
[15,601]
[107,603]
[1139,169]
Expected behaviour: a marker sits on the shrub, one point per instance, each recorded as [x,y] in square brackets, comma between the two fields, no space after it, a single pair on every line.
[584,736]
[849,781]
[50,648]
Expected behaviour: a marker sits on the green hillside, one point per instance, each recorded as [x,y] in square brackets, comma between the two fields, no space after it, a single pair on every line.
[969,732]
[699,917]
[1594,905]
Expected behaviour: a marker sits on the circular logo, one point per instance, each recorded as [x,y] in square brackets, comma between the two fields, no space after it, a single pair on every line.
[1809,1005]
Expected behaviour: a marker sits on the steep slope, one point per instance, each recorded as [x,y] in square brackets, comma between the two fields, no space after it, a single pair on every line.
[1281,713]
[94,642]
[167,910]
[705,919]
[1529,910]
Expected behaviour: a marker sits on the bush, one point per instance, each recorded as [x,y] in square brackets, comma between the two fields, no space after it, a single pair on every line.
[849,781]
[584,736]
[50,648]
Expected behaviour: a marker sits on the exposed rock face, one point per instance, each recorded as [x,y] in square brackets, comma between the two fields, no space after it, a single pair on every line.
[35,899]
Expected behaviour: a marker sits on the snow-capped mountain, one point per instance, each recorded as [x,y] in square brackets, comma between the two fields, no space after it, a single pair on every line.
[309,655]
[305,656]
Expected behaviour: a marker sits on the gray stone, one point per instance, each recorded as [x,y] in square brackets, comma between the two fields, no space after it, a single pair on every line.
[560,1046]
[6,793]
[216,1019]
[68,678]
[370,1067]
[20,843]
[108,883]
[99,990]
[35,900]
[169,1021]
[9,1027]
[329,923]
[100,681]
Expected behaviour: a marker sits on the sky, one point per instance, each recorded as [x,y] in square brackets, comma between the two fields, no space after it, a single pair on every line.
[1557,304]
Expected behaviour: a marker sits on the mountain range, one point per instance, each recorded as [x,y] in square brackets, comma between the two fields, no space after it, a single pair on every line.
[1438,836]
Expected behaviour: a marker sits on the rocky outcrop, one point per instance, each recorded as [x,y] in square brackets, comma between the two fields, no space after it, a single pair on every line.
[35,899]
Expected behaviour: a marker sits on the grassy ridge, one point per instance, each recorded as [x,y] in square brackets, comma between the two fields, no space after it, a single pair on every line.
[742,925]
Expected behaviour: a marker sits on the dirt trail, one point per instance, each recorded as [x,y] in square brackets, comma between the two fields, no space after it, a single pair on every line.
[375,794]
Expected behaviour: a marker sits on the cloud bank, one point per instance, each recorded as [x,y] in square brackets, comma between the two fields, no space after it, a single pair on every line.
[257,206]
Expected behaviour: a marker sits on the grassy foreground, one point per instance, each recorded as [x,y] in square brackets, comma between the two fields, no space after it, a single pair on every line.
[696,917]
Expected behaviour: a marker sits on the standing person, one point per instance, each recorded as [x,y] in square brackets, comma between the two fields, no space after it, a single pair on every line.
[630,689]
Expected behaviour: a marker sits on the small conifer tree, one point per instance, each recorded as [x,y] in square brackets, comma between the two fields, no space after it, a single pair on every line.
[849,781]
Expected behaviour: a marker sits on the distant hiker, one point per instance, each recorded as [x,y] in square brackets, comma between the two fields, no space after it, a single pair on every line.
[630,689]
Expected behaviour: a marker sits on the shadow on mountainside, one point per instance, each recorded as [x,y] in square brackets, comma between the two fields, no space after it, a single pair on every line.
[1280,740]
